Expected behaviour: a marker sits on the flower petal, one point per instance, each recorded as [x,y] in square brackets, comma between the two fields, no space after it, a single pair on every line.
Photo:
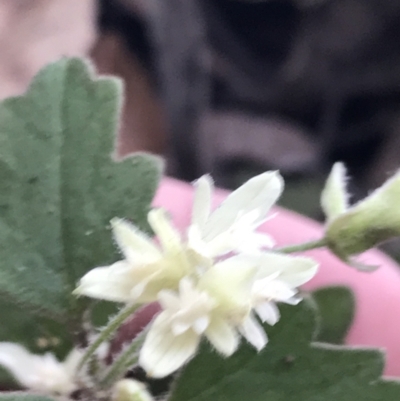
[253,332]
[222,244]
[112,283]
[334,197]
[201,324]
[162,352]
[72,361]
[268,312]
[168,299]
[274,290]
[130,390]
[222,336]
[294,270]
[167,235]
[254,241]
[202,201]
[42,373]
[18,361]
[178,328]
[258,193]
[230,282]
[134,244]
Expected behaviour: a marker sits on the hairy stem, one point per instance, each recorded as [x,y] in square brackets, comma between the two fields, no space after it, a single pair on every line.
[107,332]
[125,360]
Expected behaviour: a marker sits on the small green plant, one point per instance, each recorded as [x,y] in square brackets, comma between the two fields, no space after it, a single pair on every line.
[228,315]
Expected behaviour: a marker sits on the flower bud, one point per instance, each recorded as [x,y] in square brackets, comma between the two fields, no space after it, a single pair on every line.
[368,223]
[131,390]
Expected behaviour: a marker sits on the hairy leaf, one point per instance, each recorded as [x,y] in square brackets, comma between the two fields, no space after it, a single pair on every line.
[336,309]
[290,368]
[59,186]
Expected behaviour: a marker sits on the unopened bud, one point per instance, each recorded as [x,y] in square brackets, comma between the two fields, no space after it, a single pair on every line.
[131,390]
[368,223]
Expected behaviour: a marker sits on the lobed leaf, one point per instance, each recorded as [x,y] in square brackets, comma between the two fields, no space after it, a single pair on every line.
[59,187]
[336,306]
[290,368]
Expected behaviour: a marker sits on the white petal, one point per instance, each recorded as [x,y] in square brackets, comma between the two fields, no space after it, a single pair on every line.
[237,267]
[72,361]
[259,193]
[263,240]
[42,373]
[195,241]
[130,390]
[18,361]
[133,243]
[253,242]
[201,324]
[295,300]
[274,290]
[222,336]
[253,332]
[230,282]
[168,299]
[220,245]
[179,328]
[240,238]
[334,197]
[112,283]
[169,238]
[268,312]
[294,270]
[186,288]
[202,201]
[302,271]
[139,288]
[163,353]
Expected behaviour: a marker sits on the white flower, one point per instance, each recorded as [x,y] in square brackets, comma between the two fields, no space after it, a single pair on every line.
[208,283]
[131,390]
[277,280]
[42,373]
[146,269]
[231,227]
[219,308]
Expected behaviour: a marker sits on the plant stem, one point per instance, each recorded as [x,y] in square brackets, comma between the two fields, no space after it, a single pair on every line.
[105,334]
[125,360]
[306,246]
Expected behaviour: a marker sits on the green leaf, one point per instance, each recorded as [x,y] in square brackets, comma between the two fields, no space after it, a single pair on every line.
[290,368]
[336,307]
[59,187]
[21,396]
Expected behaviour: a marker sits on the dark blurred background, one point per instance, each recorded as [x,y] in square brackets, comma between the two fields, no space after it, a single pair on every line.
[234,87]
[255,85]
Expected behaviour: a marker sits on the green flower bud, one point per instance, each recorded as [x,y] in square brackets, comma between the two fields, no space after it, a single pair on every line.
[366,224]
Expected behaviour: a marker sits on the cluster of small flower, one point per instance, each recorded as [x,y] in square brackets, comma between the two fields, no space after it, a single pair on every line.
[209,281]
